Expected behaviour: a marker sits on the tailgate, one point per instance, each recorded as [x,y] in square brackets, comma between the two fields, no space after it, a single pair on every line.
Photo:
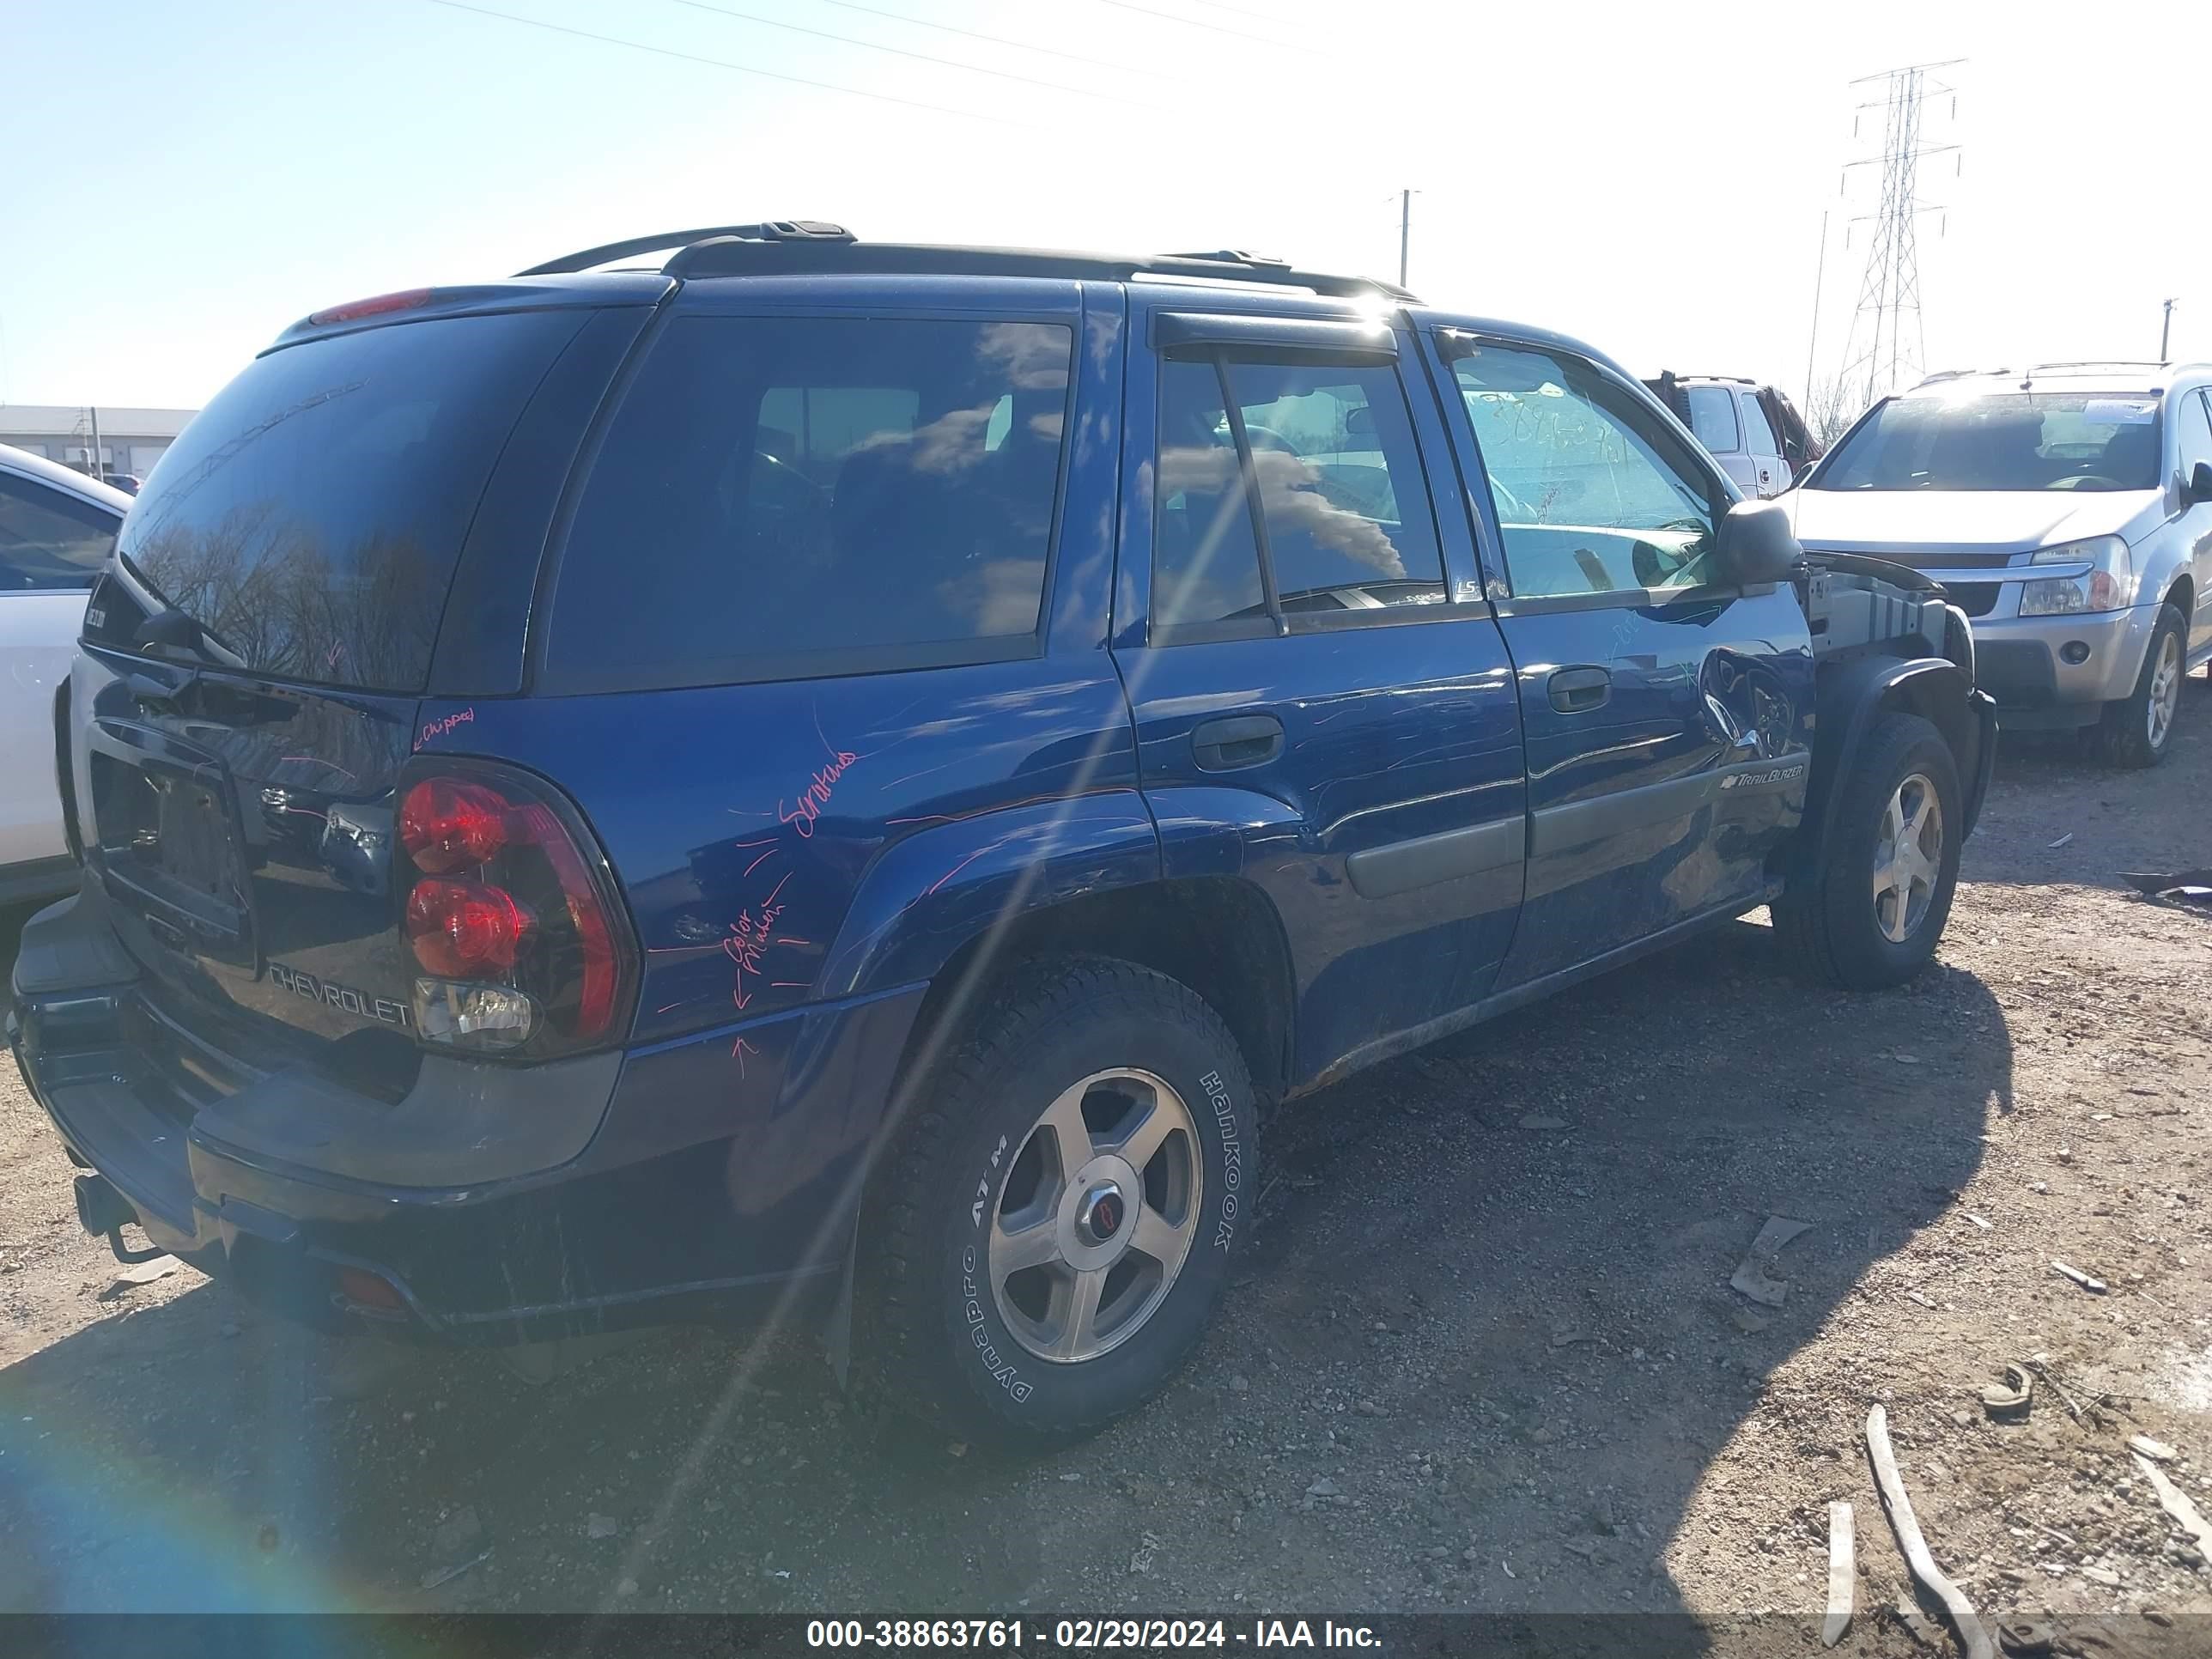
[242,833]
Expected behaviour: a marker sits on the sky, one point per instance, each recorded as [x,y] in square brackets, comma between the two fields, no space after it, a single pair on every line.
[184,181]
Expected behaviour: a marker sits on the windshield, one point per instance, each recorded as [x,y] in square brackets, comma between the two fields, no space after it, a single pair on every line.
[2012,441]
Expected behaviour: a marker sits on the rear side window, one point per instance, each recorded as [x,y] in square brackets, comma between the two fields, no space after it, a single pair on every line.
[49,540]
[1326,452]
[1206,563]
[1758,436]
[1712,418]
[786,496]
[310,518]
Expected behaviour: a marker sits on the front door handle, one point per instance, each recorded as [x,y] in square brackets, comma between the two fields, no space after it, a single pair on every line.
[1577,690]
[1241,740]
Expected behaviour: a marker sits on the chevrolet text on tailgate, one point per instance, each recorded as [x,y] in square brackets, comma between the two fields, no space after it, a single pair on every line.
[837,781]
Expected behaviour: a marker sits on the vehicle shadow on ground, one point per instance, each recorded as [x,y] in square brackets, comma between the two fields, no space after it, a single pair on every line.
[1479,1355]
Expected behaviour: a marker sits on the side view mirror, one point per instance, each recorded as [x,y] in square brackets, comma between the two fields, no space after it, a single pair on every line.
[2199,487]
[1755,544]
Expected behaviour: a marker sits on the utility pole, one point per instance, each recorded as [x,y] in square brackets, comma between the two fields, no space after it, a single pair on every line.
[1819,269]
[2165,331]
[95,442]
[1405,228]
[1875,354]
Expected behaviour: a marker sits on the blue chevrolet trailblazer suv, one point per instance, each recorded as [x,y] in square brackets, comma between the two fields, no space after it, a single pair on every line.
[834,783]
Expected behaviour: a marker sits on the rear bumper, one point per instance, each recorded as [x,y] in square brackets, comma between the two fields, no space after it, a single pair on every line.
[719,1181]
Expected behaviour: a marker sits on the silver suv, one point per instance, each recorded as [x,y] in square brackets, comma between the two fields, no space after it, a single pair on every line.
[2068,508]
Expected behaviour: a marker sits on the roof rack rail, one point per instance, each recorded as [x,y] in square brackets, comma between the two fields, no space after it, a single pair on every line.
[771,230]
[1955,374]
[814,246]
[744,255]
[2103,363]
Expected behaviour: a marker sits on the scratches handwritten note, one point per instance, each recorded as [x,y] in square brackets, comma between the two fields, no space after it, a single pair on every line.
[439,728]
[819,788]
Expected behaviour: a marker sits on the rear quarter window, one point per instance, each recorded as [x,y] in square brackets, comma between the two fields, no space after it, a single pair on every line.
[781,497]
[1712,418]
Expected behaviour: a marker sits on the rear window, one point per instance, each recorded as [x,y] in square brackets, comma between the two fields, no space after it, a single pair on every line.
[780,497]
[310,518]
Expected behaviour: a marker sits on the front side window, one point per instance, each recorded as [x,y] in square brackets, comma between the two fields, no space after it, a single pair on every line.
[2015,440]
[49,541]
[1587,501]
[2195,432]
[1757,436]
[843,492]
[1712,418]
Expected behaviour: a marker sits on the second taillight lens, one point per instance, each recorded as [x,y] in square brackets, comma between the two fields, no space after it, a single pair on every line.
[510,913]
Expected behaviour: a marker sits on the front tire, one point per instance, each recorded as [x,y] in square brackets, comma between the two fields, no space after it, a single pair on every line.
[1868,913]
[2137,731]
[1056,1221]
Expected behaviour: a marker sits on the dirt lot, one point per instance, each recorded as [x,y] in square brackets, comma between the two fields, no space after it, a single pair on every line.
[1485,1355]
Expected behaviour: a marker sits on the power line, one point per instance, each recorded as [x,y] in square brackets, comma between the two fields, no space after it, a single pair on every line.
[1002,40]
[1218,28]
[1241,11]
[918,57]
[718,63]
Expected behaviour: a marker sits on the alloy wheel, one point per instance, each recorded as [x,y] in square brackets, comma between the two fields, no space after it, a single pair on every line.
[1097,1217]
[1908,858]
[2165,699]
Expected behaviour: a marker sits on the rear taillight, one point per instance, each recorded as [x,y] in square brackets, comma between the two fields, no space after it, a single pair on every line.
[449,824]
[464,928]
[510,913]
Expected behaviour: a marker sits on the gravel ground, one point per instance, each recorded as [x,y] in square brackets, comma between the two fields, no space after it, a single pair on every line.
[1483,1356]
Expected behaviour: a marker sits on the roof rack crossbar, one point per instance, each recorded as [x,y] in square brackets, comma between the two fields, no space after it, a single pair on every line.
[772,230]
[735,254]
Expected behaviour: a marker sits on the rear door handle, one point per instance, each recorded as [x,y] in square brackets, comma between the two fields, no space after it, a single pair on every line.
[1241,740]
[1574,690]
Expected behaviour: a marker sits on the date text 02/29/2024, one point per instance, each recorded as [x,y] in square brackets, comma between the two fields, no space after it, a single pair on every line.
[1015,1635]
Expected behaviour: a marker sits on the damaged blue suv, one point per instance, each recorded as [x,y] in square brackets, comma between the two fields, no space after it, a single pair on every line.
[830,782]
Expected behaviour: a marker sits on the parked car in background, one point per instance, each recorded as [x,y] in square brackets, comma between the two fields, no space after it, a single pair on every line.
[57,528]
[129,483]
[1753,431]
[2067,508]
[1072,701]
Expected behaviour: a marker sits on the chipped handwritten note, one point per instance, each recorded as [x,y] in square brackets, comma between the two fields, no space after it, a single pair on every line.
[439,728]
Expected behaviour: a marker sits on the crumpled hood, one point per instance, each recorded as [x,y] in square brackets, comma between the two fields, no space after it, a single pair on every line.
[1898,522]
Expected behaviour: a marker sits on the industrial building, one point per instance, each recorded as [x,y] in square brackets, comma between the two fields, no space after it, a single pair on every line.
[127,440]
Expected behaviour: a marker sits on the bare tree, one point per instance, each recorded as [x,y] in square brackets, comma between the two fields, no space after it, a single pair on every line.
[1830,411]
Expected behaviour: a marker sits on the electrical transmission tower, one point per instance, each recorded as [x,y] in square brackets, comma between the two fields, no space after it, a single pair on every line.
[1887,343]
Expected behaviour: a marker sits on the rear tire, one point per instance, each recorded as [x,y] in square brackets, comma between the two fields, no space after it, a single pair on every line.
[1095,1123]
[2137,731]
[1867,913]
